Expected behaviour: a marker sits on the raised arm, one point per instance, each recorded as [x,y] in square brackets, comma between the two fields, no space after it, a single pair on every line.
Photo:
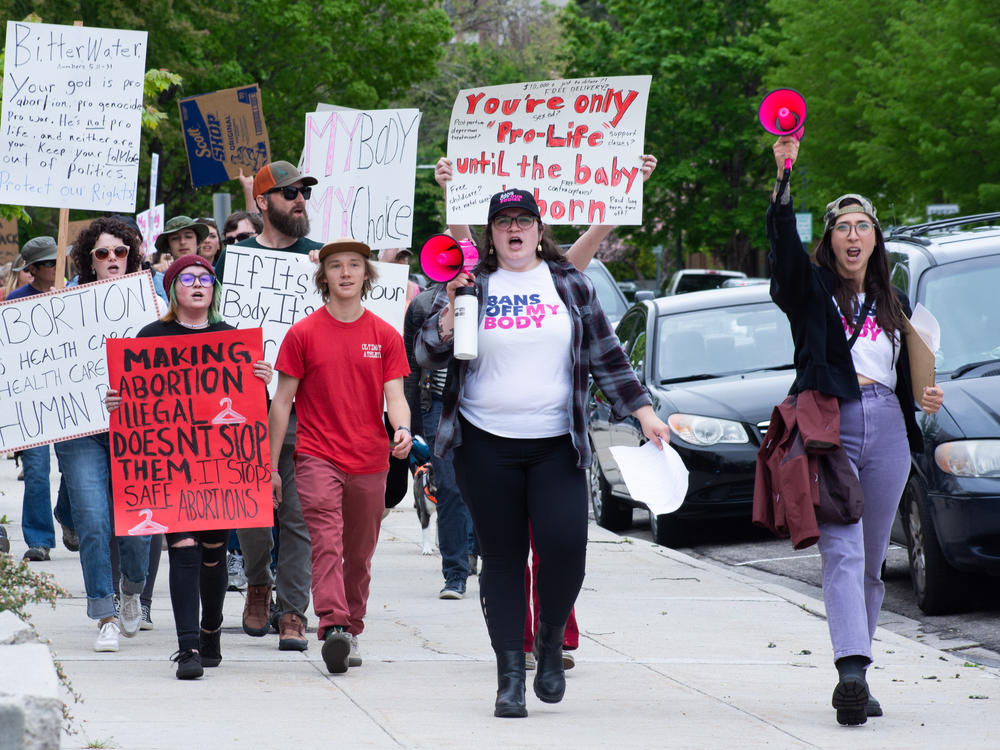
[442,176]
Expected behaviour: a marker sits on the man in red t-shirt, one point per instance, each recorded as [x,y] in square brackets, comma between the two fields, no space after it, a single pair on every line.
[339,365]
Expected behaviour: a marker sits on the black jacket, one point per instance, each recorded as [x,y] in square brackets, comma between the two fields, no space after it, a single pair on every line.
[804,292]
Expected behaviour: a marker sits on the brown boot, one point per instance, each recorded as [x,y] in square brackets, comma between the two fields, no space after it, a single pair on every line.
[292,633]
[256,611]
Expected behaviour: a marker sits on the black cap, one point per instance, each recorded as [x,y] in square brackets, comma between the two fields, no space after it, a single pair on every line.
[513,199]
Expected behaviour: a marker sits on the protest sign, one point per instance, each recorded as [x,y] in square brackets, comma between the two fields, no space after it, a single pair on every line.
[72,108]
[150,225]
[272,290]
[577,144]
[224,132]
[366,164]
[52,367]
[189,443]
[9,247]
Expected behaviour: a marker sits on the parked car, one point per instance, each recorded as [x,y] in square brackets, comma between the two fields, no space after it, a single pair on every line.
[697,280]
[949,515]
[715,364]
[611,297]
[746,281]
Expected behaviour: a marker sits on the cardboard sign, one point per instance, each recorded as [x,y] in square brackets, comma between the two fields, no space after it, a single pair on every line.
[9,247]
[72,110]
[366,164]
[577,144]
[189,444]
[52,368]
[224,132]
[270,289]
[150,224]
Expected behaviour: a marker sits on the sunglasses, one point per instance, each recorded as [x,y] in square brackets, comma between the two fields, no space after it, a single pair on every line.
[188,279]
[523,221]
[289,193]
[233,239]
[103,253]
[45,264]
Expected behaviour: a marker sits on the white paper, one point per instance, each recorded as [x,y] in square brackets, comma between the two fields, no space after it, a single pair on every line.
[657,479]
[927,327]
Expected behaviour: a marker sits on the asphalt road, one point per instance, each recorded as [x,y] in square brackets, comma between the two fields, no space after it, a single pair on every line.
[974,634]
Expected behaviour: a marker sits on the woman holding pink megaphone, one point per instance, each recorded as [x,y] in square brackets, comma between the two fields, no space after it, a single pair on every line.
[846,320]
[516,419]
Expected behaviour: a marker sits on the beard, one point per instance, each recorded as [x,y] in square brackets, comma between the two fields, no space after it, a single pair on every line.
[285,223]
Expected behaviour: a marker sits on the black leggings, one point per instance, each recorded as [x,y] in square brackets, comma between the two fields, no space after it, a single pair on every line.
[507,483]
[197,572]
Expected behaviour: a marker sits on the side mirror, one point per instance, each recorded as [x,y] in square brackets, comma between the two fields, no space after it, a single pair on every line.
[644,295]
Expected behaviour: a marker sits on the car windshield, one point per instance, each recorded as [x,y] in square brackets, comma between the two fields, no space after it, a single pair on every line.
[722,341]
[700,282]
[607,292]
[963,298]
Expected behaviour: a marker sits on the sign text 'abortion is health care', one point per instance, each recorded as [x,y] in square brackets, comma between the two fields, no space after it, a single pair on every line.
[577,144]
[72,109]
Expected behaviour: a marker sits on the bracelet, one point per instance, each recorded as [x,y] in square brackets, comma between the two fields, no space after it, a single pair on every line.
[405,429]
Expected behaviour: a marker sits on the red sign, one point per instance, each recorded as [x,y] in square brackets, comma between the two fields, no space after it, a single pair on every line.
[189,444]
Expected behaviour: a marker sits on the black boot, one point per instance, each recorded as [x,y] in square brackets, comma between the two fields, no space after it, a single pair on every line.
[550,678]
[850,697]
[510,685]
[874,708]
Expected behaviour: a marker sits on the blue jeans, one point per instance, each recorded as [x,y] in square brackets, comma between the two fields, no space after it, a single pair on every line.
[36,508]
[86,467]
[453,521]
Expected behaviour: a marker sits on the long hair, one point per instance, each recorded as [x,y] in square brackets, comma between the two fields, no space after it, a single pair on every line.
[319,279]
[85,242]
[214,316]
[488,258]
[877,286]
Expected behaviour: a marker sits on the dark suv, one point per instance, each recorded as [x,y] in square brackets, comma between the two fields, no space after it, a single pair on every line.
[949,515]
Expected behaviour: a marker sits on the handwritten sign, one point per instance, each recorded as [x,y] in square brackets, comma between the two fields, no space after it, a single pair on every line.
[52,368]
[271,290]
[366,164]
[150,225]
[9,247]
[189,444]
[224,132]
[72,108]
[577,144]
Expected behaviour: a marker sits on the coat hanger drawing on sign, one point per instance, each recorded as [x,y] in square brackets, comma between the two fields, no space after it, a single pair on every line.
[147,525]
[228,415]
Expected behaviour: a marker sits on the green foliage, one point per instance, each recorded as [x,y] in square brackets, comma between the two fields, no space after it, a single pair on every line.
[21,586]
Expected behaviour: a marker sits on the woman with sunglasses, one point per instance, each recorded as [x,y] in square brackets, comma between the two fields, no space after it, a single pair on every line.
[106,249]
[516,419]
[198,571]
[843,292]
[210,247]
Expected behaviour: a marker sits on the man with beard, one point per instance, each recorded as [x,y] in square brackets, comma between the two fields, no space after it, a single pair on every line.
[281,192]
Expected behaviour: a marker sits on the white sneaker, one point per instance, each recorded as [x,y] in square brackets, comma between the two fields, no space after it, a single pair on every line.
[107,638]
[237,574]
[354,658]
[131,615]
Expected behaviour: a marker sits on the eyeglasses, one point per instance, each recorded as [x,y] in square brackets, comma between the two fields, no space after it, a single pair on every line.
[862,228]
[232,240]
[523,221]
[103,253]
[188,279]
[289,193]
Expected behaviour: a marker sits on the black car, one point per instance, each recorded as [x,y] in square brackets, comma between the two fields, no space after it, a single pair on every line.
[950,510]
[715,364]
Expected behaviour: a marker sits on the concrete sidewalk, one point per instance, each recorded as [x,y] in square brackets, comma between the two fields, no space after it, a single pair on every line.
[674,653]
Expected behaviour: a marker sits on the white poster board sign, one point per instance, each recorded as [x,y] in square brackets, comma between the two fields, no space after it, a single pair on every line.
[53,371]
[270,289]
[72,111]
[150,224]
[366,164]
[576,144]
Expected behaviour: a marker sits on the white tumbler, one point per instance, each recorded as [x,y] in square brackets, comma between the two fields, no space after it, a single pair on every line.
[466,323]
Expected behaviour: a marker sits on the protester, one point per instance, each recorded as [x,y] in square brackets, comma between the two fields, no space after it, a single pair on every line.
[280,192]
[516,419]
[339,365]
[11,279]
[240,226]
[210,247]
[197,558]
[106,249]
[180,236]
[847,291]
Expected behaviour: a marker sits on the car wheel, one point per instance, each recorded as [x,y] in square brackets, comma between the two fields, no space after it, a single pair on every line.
[609,512]
[939,588]
[667,530]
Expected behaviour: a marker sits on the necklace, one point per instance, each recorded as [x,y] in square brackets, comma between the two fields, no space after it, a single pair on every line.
[193,326]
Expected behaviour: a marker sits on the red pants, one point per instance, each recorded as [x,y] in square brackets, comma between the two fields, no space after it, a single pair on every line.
[571,638]
[343,513]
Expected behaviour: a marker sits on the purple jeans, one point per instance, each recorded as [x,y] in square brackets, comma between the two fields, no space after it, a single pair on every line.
[874,435]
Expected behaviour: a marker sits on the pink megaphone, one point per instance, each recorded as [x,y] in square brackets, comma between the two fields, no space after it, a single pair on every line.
[442,257]
[783,112]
